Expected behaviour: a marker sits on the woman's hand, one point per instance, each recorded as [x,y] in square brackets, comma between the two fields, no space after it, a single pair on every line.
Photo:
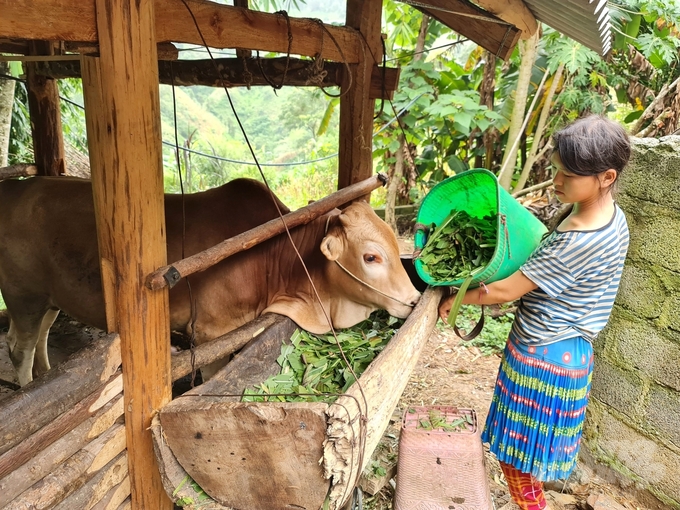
[445,306]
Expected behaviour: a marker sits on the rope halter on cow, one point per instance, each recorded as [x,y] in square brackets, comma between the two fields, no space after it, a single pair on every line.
[372,287]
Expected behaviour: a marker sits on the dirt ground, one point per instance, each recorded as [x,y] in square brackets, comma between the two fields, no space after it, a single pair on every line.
[449,373]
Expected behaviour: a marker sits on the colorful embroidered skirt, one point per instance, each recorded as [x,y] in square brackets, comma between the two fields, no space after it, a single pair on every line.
[539,405]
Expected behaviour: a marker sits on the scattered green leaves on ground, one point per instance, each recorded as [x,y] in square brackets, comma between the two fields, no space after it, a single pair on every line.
[459,246]
[436,420]
[312,366]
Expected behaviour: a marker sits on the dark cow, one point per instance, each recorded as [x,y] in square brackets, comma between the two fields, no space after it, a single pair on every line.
[49,261]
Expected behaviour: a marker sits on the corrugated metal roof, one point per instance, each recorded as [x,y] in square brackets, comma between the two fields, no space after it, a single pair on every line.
[585,21]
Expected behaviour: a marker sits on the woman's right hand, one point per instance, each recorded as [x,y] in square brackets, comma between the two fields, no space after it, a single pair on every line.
[445,306]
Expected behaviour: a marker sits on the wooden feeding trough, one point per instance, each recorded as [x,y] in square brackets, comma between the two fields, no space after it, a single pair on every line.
[270,456]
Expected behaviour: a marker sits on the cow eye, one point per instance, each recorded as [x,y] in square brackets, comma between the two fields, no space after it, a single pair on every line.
[369,258]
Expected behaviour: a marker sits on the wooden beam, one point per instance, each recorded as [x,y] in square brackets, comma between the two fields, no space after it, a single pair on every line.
[223,26]
[223,346]
[243,53]
[514,12]
[45,113]
[244,73]
[124,137]
[488,31]
[19,170]
[355,160]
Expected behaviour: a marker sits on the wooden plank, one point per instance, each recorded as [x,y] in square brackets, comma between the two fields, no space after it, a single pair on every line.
[60,426]
[498,36]
[124,137]
[358,418]
[175,479]
[19,170]
[233,72]
[514,12]
[106,479]
[45,113]
[49,459]
[254,364]
[236,73]
[165,51]
[223,26]
[72,474]
[254,456]
[384,82]
[355,152]
[224,345]
[43,400]
[115,497]
[248,239]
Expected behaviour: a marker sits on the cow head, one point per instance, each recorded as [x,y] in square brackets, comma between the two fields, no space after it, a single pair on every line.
[364,271]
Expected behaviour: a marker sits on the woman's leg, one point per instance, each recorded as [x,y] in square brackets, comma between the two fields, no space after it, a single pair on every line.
[526,491]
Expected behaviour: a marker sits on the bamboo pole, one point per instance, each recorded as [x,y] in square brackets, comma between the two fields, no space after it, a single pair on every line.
[170,275]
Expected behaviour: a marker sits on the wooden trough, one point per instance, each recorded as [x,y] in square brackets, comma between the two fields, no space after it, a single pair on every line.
[270,456]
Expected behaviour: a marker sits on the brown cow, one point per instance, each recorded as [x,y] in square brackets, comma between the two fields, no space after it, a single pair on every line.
[49,261]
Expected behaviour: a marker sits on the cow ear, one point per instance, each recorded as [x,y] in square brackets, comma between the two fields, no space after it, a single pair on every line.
[331,247]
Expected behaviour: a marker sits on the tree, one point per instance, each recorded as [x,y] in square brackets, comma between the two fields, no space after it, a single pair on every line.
[6,102]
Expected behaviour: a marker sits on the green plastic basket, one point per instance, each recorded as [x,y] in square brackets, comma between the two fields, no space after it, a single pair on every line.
[478,193]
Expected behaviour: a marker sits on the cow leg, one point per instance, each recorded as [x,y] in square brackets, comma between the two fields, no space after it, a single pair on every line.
[24,335]
[41,363]
[21,352]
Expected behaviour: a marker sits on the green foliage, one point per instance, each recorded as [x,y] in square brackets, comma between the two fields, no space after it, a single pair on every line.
[20,139]
[459,246]
[314,367]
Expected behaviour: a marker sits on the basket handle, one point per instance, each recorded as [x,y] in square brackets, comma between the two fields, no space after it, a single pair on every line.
[455,308]
[426,232]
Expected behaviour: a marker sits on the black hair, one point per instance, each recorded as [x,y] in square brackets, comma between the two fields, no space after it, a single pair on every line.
[589,146]
[592,145]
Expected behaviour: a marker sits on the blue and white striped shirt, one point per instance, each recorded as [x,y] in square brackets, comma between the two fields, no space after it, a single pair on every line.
[578,274]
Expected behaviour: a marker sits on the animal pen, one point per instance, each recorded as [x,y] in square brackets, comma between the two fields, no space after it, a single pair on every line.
[64,444]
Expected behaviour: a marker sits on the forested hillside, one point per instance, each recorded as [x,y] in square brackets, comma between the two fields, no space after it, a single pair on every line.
[284,127]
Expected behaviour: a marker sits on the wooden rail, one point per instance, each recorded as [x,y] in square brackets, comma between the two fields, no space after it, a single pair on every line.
[222,26]
[170,275]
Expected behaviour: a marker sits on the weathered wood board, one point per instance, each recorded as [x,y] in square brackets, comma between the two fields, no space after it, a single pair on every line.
[222,445]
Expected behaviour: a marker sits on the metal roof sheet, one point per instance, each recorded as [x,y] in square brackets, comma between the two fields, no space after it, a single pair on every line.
[585,21]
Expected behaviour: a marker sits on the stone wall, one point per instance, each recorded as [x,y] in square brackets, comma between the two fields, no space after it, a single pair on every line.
[633,423]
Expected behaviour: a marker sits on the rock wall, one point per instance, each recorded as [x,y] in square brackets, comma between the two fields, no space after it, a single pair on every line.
[633,422]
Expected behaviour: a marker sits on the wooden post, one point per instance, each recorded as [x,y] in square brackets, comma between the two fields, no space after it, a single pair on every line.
[356,108]
[44,110]
[123,123]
